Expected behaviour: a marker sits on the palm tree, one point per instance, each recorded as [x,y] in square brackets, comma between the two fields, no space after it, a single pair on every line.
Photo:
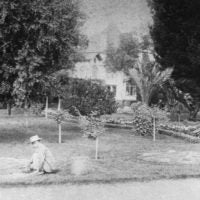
[148,77]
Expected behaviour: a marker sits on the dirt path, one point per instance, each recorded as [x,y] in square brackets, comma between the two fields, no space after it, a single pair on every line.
[155,190]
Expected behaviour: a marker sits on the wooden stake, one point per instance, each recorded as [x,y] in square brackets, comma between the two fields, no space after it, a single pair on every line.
[60,133]
[179,119]
[26,114]
[97,146]
[59,104]
[154,129]
[46,107]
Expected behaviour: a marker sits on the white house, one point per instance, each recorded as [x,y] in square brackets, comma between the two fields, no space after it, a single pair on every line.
[118,82]
[94,68]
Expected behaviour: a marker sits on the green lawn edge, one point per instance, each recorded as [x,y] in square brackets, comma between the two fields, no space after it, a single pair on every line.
[96,181]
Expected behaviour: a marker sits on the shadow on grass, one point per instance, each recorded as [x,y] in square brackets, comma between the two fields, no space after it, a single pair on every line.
[80,181]
[17,137]
[18,130]
[24,138]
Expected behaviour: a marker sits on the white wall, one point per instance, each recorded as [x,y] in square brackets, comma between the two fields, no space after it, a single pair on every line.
[92,70]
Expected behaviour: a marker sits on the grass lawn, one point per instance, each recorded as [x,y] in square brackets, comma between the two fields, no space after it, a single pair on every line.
[119,151]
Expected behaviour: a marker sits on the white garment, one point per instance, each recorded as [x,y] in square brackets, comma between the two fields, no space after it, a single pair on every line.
[42,159]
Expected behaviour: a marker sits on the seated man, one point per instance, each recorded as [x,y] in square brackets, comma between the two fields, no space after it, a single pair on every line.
[42,160]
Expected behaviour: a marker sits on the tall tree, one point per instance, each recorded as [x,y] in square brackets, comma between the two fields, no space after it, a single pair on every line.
[37,38]
[149,78]
[133,58]
[176,36]
[124,57]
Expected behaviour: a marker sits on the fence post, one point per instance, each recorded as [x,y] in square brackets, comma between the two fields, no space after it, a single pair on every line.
[59,104]
[97,146]
[60,133]
[46,107]
[154,129]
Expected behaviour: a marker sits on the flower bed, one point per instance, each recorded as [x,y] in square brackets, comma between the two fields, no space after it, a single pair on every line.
[184,136]
[181,128]
[120,121]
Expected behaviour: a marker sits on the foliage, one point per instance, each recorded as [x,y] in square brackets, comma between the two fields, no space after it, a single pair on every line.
[149,78]
[135,60]
[175,33]
[87,96]
[36,108]
[118,121]
[144,116]
[143,125]
[179,92]
[123,57]
[37,38]
[92,126]
[190,130]
[60,116]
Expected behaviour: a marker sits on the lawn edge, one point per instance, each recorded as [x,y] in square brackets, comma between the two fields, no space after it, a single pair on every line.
[97,181]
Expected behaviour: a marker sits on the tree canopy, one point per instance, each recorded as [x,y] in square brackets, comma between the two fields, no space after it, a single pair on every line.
[125,56]
[37,38]
[176,36]
[133,57]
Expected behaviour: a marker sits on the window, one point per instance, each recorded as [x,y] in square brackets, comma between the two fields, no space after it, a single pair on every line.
[130,89]
[112,88]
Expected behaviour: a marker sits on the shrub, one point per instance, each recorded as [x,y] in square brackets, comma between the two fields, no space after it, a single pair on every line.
[36,108]
[87,96]
[179,112]
[92,126]
[144,117]
[33,108]
[142,120]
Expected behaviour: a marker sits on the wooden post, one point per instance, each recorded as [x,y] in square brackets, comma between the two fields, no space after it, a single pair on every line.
[59,104]
[9,107]
[26,114]
[179,119]
[46,107]
[97,146]
[60,133]
[154,129]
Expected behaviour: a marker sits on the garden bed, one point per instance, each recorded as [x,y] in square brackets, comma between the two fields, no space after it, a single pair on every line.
[112,125]
[184,136]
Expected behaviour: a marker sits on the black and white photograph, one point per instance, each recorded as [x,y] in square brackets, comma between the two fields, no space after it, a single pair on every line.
[100,99]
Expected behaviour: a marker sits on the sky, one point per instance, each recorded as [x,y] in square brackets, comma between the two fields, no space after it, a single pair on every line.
[128,15]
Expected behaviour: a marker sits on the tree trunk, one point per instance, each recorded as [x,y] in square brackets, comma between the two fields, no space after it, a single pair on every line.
[193,113]
[26,113]
[59,104]
[59,133]
[154,129]
[97,148]
[9,108]
[46,107]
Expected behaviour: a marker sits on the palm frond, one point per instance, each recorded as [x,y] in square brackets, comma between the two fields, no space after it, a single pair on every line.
[148,77]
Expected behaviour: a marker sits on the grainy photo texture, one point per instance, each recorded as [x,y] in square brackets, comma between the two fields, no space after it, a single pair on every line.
[99,99]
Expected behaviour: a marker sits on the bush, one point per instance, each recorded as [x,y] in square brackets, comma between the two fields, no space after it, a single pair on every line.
[144,116]
[142,119]
[179,112]
[143,126]
[36,108]
[87,96]
[92,126]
